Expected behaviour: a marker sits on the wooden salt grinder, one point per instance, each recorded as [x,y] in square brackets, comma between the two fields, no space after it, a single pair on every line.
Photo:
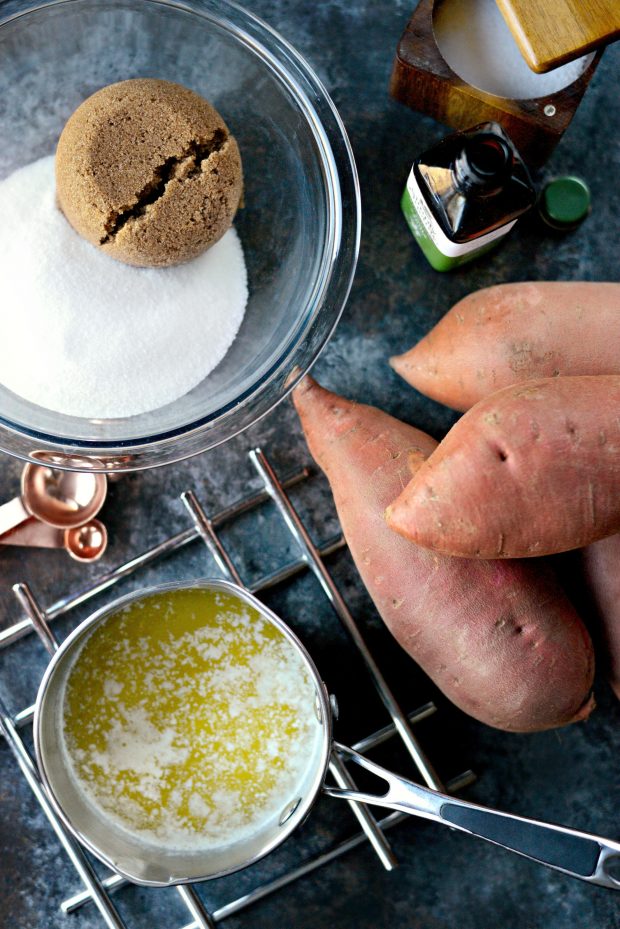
[556,31]
[423,80]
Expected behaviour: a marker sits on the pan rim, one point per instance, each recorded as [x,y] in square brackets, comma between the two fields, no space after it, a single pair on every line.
[41,719]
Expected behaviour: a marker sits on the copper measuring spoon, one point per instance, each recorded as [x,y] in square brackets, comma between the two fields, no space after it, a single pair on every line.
[63,499]
[83,543]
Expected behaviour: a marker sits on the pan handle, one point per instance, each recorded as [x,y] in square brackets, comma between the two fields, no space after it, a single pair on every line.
[587,857]
[578,854]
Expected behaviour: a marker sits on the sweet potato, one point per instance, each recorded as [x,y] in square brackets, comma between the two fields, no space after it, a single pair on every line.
[601,570]
[508,334]
[499,638]
[515,332]
[531,470]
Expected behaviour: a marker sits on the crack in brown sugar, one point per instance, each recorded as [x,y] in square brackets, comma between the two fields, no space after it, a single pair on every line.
[195,153]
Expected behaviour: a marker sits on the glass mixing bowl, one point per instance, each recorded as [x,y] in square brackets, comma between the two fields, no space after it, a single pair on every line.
[300,225]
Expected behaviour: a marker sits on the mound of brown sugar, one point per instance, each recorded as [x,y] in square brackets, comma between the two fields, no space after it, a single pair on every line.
[147,171]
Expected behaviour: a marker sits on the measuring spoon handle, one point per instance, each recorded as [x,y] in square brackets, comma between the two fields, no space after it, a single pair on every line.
[32,533]
[12,514]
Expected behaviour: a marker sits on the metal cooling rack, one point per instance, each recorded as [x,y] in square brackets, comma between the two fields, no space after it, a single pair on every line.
[38,619]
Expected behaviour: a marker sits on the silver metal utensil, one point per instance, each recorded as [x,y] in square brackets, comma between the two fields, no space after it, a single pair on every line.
[128,854]
[578,854]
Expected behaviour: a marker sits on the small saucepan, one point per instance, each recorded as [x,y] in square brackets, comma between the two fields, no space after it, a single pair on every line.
[575,853]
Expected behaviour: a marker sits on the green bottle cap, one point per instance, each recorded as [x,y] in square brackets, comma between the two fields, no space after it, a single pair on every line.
[565,202]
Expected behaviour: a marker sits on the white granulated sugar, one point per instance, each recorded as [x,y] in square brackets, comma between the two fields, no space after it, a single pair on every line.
[476,42]
[85,335]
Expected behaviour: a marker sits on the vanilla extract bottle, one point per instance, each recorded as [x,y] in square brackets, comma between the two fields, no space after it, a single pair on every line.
[465,194]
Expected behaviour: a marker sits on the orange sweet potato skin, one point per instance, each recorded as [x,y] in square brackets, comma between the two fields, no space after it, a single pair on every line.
[515,332]
[601,571]
[533,469]
[500,639]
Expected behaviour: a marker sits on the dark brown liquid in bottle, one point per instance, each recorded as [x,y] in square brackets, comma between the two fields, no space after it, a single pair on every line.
[474,182]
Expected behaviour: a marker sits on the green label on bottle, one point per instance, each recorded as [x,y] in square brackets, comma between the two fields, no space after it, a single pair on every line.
[440,251]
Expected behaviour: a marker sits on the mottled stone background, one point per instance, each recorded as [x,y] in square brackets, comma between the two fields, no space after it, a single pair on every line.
[445,880]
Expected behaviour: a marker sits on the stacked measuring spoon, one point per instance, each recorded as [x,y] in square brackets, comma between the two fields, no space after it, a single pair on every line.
[57,509]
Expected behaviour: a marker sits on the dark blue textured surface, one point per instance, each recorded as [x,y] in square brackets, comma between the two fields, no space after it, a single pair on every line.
[571,776]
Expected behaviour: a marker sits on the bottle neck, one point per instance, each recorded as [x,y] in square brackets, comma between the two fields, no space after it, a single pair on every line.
[483,165]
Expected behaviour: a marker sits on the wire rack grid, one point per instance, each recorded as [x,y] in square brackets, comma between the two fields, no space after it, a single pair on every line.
[99,890]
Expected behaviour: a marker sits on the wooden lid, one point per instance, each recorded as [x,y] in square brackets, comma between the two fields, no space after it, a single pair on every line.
[552,32]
